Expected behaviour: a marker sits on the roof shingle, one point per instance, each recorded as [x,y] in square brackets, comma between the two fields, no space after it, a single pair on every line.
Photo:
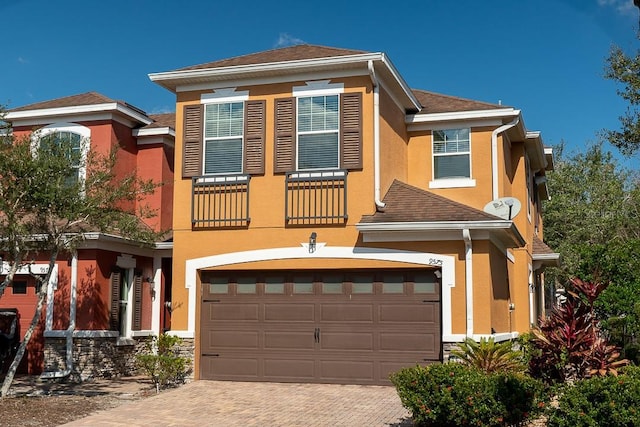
[87,98]
[290,53]
[405,203]
[438,103]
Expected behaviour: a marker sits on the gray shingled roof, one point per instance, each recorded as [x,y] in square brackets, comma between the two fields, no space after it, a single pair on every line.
[405,203]
[162,120]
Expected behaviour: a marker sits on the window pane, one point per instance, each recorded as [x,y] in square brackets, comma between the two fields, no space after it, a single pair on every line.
[19,287]
[274,288]
[318,151]
[332,288]
[453,166]
[246,288]
[424,283]
[362,284]
[303,285]
[393,284]
[218,288]
[223,156]
[223,120]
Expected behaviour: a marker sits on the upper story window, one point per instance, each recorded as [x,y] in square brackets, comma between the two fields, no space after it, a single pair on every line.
[318,132]
[72,139]
[223,137]
[319,127]
[452,158]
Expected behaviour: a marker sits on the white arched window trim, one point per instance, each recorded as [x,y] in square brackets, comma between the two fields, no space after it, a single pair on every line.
[85,138]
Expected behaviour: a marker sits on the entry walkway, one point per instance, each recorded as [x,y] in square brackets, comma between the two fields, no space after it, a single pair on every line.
[224,403]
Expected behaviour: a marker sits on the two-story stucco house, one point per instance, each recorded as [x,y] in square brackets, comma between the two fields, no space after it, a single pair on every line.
[109,293]
[332,224]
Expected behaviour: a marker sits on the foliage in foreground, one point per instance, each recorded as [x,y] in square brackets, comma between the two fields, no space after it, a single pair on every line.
[489,356]
[161,361]
[452,394]
[600,401]
[569,345]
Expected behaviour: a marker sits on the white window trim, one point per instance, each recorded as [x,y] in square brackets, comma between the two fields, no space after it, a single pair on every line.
[317,88]
[451,182]
[85,141]
[222,96]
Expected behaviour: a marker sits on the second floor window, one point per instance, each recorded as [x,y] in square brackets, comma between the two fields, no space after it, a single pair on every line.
[223,138]
[68,144]
[318,132]
[451,154]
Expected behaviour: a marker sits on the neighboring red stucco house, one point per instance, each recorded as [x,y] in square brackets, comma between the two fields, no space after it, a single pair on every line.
[104,297]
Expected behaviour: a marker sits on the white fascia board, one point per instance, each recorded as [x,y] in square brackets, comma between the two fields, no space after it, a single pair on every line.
[172,76]
[97,240]
[155,140]
[154,132]
[476,123]
[397,77]
[502,113]
[439,225]
[78,110]
[546,257]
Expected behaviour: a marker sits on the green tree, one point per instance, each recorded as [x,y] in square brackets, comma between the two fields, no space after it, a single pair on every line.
[46,209]
[625,69]
[593,221]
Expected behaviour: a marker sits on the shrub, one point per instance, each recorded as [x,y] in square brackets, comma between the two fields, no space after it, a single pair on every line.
[162,362]
[452,394]
[489,356]
[600,401]
[569,345]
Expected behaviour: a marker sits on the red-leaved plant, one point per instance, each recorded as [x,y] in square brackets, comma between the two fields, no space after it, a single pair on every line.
[569,345]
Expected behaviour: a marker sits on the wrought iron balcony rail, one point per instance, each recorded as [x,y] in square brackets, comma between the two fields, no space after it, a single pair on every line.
[316,198]
[220,201]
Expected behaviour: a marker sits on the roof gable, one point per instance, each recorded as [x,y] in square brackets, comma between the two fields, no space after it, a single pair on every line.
[290,53]
[405,203]
[87,98]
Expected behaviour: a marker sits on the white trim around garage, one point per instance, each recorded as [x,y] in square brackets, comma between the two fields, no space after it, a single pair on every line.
[446,262]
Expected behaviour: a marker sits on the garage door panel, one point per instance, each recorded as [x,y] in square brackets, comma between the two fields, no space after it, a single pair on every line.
[346,312]
[289,369]
[346,341]
[350,370]
[415,313]
[289,340]
[400,342]
[294,312]
[231,367]
[230,311]
[231,339]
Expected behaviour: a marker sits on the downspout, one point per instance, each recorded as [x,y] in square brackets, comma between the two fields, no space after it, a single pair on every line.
[68,333]
[468,265]
[376,137]
[494,154]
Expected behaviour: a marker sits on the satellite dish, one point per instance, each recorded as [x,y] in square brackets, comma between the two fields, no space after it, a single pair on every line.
[504,207]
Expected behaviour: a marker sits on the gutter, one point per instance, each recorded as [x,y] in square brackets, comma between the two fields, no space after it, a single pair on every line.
[376,136]
[68,333]
[494,154]
[468,266]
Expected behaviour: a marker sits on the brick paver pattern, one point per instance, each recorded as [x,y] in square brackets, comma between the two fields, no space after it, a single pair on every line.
[225,403]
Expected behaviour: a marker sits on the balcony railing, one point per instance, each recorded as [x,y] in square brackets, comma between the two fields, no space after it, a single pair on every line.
[220,201]
[314,198]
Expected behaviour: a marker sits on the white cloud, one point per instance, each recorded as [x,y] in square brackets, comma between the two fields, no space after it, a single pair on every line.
[624,7]
[288,40]
[22,60]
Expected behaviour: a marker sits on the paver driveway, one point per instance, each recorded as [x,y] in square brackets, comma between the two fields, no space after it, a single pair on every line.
[224,403]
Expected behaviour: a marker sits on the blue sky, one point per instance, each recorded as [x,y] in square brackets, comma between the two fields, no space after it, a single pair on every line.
[545,57]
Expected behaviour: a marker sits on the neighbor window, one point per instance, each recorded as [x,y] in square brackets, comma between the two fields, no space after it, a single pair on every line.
[71,144]
[318,132]
[19,287]
[451,154]
[223,133]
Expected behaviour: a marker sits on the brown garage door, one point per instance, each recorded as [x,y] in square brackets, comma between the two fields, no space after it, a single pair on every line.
[352,328]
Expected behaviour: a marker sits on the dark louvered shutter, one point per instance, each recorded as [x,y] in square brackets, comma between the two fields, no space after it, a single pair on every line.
[254,133]
[285,135]
[114,315]
[192,152]
[351,131]
[137,303]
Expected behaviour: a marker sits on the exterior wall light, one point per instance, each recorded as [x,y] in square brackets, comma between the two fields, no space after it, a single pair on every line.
[312,242]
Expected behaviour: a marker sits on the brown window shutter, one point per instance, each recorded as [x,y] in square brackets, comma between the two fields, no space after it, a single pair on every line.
[351,131]
[114,315]
[137,303]
[285,135]
[254,135]
[192,152]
